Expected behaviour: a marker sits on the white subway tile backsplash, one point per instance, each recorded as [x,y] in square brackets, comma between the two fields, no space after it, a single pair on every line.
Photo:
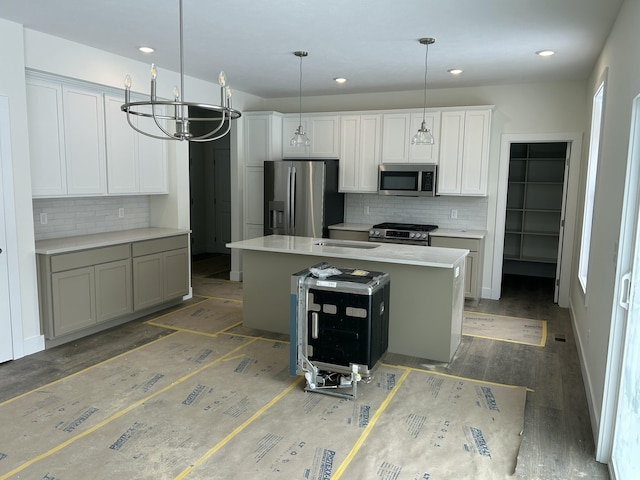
[67,217]
[472,211]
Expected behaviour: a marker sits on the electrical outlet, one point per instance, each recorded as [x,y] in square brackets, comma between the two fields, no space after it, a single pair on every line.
[454,213]
[43,219]
[121,212]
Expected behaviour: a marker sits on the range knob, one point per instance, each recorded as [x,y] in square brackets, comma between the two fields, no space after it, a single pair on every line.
[424,235]
[412,235]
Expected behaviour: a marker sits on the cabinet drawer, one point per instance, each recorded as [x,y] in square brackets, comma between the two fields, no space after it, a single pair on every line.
[86,258]
[149,247]
[470,244]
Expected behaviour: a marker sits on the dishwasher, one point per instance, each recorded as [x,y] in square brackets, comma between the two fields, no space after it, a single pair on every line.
[339,327]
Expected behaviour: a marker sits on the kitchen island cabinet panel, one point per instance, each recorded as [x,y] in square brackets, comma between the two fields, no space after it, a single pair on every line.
[427,298]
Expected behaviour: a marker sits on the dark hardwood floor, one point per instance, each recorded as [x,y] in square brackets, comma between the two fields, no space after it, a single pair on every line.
[557,441]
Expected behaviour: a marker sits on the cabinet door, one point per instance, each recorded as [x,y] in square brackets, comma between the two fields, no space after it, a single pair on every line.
[424,153]
[176,273]
[84,141]
[370,129]
[349,153]
[46,138]
[263,138]
[122,161]
[475,159]
[325,137]
[395,137]
[470,275]
[451,148]
[148,281]
[113,290]
[73,300]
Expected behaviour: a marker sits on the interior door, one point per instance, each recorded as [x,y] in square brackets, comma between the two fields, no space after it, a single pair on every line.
[6,336]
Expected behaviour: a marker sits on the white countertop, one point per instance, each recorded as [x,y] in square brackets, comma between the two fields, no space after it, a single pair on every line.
[458,233]
[82,242]
[370,251]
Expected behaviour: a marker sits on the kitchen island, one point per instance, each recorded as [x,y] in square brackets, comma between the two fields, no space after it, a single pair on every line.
[427,286]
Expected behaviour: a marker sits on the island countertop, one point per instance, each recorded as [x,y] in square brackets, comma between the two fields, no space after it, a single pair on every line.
[83,242]
[371,251]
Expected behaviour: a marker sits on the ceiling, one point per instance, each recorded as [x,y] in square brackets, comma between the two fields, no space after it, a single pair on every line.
[373,43]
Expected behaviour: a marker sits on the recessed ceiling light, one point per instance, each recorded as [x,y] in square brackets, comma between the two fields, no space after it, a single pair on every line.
[146,49]
[340,80]
[545,53]
[455,71]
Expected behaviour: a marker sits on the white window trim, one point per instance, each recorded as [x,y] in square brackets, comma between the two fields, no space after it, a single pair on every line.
[597,115]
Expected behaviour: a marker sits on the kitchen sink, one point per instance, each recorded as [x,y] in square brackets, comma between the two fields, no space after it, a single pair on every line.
[364,246]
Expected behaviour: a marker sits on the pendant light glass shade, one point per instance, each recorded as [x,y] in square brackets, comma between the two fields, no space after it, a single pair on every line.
[424,135]
[300,138]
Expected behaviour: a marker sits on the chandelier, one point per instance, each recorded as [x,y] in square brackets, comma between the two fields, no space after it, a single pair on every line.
[424,136]
[173,118]
[300,138]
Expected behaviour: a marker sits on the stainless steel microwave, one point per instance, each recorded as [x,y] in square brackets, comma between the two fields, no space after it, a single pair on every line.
[409,179]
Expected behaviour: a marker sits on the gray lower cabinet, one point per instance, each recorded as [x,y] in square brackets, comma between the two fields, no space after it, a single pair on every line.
[473,262]
[160,271]
[83,289]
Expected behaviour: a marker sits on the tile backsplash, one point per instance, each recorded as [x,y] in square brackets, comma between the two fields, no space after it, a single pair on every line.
[66,217]
[471,211]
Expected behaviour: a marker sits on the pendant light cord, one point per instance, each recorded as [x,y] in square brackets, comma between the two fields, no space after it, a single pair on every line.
[300,101]
[426,63]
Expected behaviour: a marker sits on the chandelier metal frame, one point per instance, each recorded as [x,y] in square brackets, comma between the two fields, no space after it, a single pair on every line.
[158,110]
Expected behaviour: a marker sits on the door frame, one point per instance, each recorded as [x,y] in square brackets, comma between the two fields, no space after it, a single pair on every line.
[571,193]
[617,336]
[10,225]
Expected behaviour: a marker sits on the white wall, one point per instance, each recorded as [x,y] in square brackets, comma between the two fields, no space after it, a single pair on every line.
[12,85]
[592,314]
[545,108]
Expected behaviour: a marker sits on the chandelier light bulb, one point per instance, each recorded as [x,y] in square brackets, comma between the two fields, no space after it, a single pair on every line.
[154,72]
[222,79]
[176,93]
[127,82]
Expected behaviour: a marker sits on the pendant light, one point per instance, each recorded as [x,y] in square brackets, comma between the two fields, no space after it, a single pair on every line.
[424,136]
[172,119]
[300,138]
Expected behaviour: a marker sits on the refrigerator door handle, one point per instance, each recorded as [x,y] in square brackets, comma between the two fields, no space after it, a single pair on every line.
[292,201]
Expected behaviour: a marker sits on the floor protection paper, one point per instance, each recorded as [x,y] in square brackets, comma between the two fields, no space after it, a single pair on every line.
[508,329]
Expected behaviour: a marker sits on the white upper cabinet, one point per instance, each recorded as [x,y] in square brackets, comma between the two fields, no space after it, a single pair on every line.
[322,130]
[84,141]
[263,137]
[464,152]
[66,139]
[46,138]
[397,130]
[135,163]
[360,146]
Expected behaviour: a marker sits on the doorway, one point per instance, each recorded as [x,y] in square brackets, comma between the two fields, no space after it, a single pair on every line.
[536,187]
[534,213]
[210,204]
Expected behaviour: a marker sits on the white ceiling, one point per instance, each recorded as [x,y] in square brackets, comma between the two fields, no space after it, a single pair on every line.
[373,43]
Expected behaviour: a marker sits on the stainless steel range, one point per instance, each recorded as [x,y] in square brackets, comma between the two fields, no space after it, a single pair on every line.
[406,233]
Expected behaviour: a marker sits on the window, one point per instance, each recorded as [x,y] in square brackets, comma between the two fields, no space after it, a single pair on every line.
[590,189]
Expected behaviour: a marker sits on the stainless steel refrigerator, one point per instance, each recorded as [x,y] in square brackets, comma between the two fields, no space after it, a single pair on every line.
[301,197]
